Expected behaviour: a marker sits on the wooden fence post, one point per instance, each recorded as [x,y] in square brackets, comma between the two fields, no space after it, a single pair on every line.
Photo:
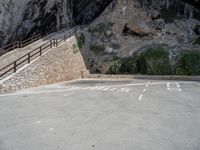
[40,50]
[15,67]
[51,44]
[56,42]
[29,58]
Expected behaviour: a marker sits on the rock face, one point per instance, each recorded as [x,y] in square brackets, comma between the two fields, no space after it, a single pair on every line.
[22,18]
[134,25]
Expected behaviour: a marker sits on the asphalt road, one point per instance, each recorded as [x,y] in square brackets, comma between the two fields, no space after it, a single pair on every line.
[102,115]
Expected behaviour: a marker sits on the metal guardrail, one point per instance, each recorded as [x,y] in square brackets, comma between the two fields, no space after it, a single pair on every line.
[27,58]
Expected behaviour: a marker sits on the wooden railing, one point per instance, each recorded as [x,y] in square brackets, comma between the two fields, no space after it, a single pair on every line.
[27,58]
[21,44]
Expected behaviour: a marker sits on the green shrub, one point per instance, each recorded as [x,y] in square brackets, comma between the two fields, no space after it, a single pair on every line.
[115,66]
[75,48]
[97,49]
[129,66]
[123,66]
[188,63]
[154,61]
[81,40]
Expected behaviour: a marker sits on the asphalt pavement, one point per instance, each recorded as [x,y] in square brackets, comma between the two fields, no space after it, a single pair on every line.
[102,115]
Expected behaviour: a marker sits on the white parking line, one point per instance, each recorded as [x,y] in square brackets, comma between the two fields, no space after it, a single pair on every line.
[124,85]
[97,88]
[148,83]
[106,89]
[68,94]
[178,85]
[144,90]
[113,89]
[51,129]
[125,90]
[170,86]
[140,98]
[100,88]
[197,83]
[85,88]
[38,122]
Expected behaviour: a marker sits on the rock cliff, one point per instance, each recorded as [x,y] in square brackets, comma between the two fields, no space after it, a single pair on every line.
[129,26]
[21,18]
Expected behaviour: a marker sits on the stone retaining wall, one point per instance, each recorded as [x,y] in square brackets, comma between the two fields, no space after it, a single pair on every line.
[57,65]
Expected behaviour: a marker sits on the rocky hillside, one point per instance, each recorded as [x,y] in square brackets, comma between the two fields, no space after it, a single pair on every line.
[21,18]
[131,26]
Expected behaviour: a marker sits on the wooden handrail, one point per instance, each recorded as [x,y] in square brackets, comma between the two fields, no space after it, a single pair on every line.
[33,38]
[38,50]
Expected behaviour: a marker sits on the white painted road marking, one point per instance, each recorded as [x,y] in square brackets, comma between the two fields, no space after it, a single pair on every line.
[97,88]
[174,87]
[144,90]
[38,122]
[51,129]
[197,83]
[113,89]
[68,94]
[178,85]
[106,89]
[125,90]
[101,87]
[140,98]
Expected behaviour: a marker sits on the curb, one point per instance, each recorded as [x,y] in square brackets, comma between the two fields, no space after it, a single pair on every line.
[149,77]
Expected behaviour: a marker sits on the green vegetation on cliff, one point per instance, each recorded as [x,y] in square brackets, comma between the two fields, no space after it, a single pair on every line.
[156,61]
[188,63]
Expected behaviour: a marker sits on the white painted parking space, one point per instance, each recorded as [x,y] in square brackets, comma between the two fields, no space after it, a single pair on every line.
[175,87]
